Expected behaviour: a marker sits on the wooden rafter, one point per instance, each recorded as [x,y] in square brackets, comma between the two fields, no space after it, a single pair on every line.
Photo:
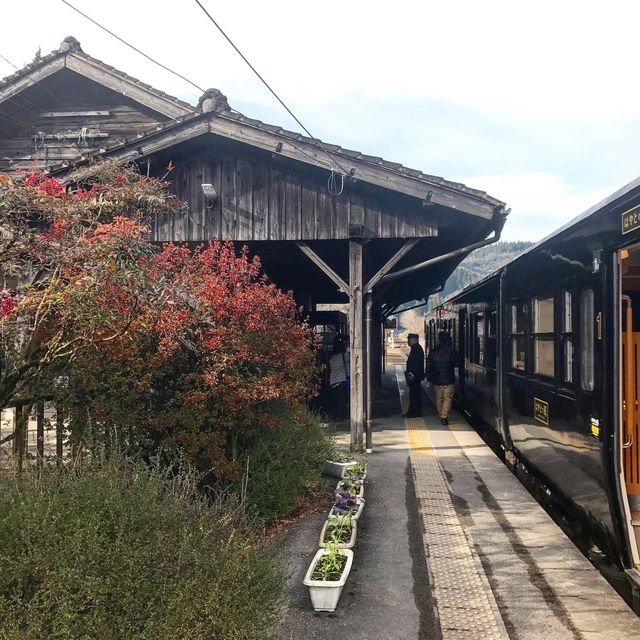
[324,267]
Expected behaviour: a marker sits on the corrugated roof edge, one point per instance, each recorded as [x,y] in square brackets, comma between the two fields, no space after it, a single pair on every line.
[610,199]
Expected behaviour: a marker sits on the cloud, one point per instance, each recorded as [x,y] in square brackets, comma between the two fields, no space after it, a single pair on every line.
[531,100]
[555,60]
[540,202]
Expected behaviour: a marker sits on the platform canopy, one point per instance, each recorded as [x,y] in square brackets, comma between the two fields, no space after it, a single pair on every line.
[331,224]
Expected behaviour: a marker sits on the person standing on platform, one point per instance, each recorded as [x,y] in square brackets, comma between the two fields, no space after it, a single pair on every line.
[441,362]
[414,375]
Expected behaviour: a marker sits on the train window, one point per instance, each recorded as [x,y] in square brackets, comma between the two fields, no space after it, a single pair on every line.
[567,337]
[568,360]
[517,338]
[567,312]
[518,352]
[518,318]
[490,343]
[543,339]
[543,315]
[477,346]
[586,339]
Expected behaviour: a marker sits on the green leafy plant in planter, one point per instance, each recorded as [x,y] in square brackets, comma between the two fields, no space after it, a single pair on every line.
[356,473]
[338,530]
[352,486]
[329,566]
[338,456]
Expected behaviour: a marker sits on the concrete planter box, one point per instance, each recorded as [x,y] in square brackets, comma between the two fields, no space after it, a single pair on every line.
[325,594]
[361,479]
[337,469]
[342,545]
[359,493]
[355,517]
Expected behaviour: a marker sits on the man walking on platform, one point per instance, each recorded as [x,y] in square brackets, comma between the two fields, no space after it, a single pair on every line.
[414,376]
[441,362]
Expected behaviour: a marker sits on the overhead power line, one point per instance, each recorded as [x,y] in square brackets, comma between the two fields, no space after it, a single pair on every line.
[9,62]
[142,53]
[266,84]
[332,181]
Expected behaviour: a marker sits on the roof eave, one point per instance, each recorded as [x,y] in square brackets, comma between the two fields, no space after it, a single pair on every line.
[300,150]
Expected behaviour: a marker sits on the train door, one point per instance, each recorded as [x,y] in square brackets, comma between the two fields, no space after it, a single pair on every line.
[629,287]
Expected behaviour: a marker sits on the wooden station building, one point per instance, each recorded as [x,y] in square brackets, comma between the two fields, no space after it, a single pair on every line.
[330,224]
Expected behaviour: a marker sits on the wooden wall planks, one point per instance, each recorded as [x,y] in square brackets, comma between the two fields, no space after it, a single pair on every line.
[261,199]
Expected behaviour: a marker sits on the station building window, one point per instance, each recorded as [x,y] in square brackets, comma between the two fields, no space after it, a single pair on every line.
[543,337]
[517,337]
[568,358]
[586,339]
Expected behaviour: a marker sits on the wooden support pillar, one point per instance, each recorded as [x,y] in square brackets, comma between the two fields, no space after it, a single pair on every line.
[40,431]
[19,440]
[59,431]
[356,330]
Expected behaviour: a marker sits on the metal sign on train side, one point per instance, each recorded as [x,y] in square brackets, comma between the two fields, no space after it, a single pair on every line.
[541,410]
[631,220]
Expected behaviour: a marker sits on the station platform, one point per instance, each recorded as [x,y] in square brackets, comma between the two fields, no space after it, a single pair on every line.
[451,546]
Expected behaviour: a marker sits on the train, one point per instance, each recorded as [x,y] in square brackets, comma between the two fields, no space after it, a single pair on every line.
[549,359]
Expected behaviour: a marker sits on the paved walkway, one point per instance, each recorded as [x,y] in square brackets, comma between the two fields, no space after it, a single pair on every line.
[452,546]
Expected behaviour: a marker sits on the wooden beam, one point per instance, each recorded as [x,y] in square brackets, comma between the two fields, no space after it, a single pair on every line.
[307,153]
[356,328]
[126,86]
[395,258]
[30,79]
[162,138]
[324,267]
[73,114]
[379,175]
[59,431]
[40,431]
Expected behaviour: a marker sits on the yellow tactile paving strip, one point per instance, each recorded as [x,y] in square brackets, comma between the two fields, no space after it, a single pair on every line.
[465,604]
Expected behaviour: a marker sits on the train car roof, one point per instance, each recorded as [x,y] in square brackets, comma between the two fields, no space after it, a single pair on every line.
[585,215]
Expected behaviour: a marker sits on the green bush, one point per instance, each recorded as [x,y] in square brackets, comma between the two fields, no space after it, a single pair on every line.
[284,462]
[121,551]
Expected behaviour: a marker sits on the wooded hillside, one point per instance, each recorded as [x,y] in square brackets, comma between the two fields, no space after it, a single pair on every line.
[479,264]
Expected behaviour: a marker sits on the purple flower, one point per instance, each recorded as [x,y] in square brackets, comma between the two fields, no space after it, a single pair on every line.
[345,502]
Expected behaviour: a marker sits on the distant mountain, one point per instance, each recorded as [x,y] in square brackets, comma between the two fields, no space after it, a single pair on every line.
[477,265]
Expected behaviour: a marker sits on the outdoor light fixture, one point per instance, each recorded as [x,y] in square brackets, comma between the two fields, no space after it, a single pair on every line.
[210,194]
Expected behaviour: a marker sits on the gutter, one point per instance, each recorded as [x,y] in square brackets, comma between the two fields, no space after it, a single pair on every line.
[499,219]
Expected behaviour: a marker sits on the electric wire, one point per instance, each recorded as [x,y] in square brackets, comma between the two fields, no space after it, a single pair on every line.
[9,62]
[266,84]
[13,120]
[331,182]
[142,53]
[14,98]
[33,84]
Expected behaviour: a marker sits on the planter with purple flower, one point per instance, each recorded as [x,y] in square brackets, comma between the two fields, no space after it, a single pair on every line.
[355,488]
[347,504]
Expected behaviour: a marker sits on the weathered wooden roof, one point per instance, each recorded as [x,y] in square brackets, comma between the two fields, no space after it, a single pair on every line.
[71,56]
[223,121]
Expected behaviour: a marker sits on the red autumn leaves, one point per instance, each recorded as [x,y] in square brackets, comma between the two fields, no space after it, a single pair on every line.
[200,341]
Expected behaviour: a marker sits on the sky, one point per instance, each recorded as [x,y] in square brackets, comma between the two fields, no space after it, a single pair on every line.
[536,103]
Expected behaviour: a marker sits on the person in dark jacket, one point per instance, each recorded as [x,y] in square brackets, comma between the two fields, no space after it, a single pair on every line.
[414,375]
[441,363]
